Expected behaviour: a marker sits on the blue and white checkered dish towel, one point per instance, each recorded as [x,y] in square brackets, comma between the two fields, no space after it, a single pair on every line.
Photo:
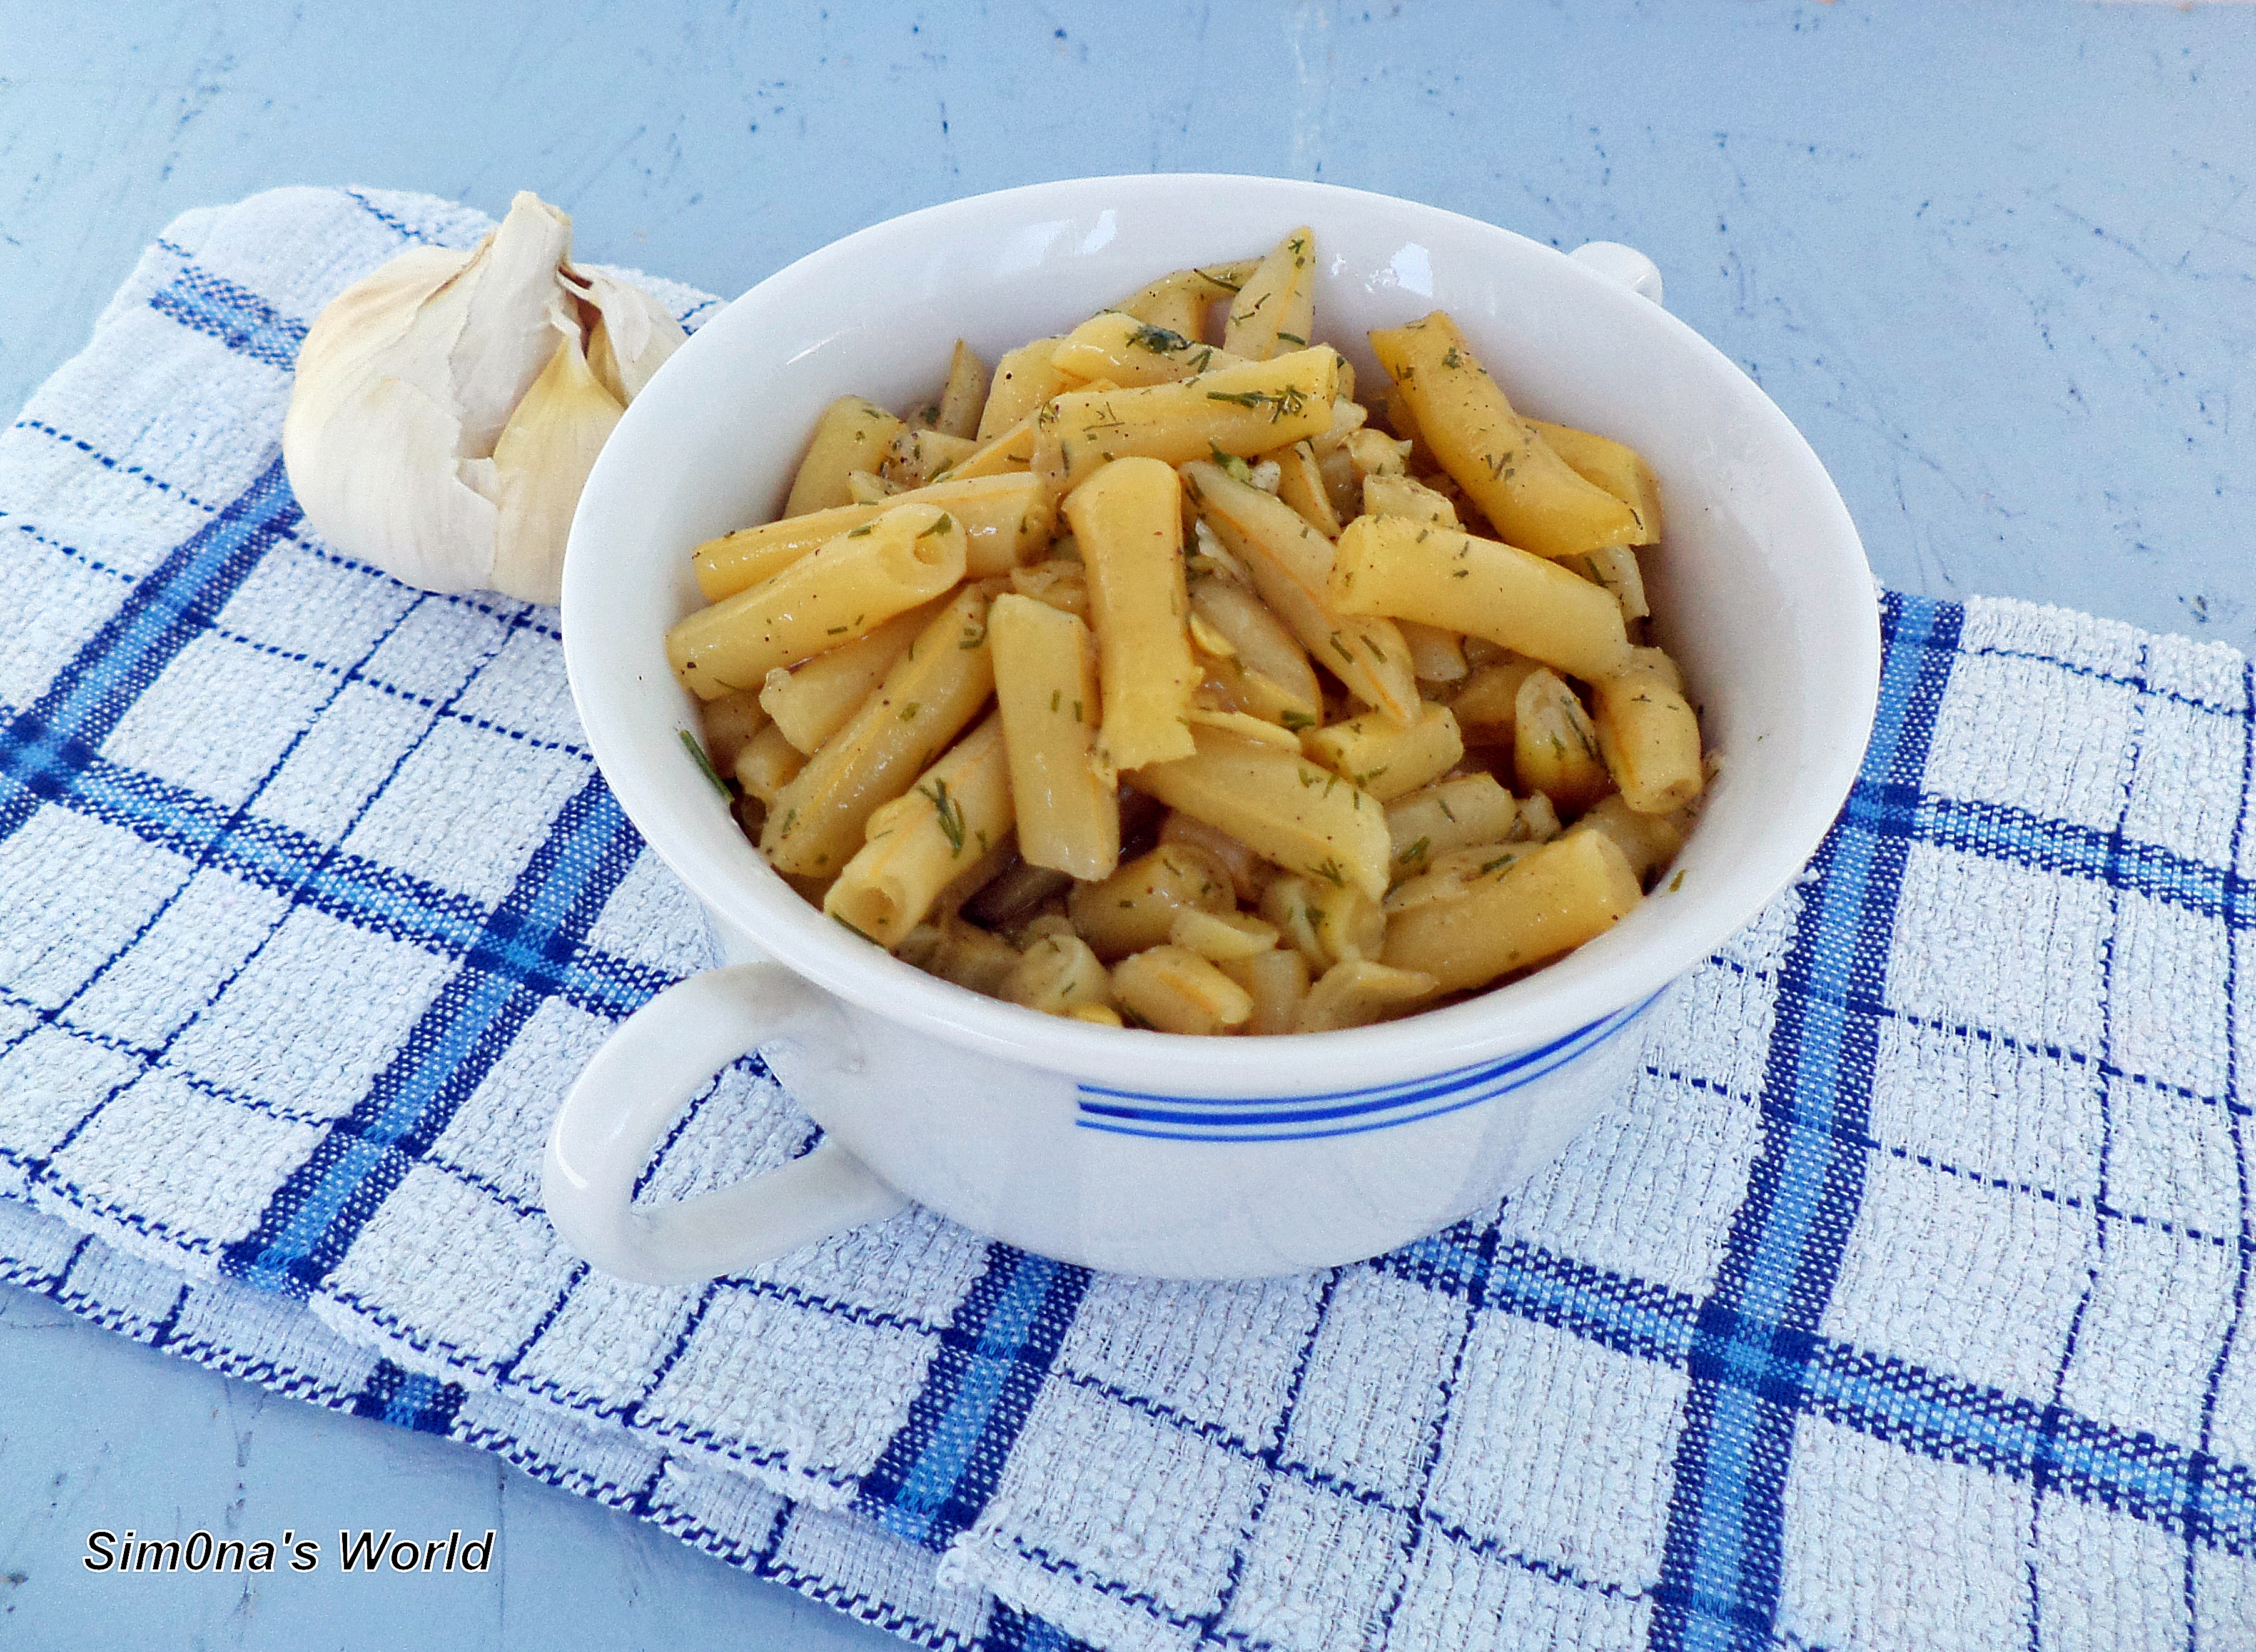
[1900,1306]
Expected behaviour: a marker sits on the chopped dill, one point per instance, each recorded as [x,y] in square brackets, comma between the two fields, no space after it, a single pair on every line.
[1229,463]
[705,766]
[1161,341]
[950,814]
[1291,399]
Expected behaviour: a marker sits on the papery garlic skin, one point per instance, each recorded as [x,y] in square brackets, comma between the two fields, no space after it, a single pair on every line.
[541,464]
[372,454]
[502,340]
[632,337]
[449,407]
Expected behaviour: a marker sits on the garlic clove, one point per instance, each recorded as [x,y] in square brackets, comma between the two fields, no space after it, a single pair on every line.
[631,335]
[372,315]
[369,451]
[541,462]
[408,511]
[503,342]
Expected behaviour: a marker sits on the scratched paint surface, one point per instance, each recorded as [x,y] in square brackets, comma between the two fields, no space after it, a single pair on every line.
[1998,263]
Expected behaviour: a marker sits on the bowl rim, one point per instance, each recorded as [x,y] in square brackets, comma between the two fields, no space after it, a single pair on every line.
[1523,1015]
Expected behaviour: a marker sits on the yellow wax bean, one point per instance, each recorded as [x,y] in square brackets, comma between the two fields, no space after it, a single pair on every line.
[917,456]
[1356,991]
[1174,990]
[1555,747]
[1114,345]
[1249,873]
[1649,841]
[1451,872]
[1244,411]
[1128,520]
[1219,936]
[1648,734]
[815,701]
[1058,974]
[767,763]
[1400,496]
[1385,759]
[854,583]
[1067,807]
[1277,981]
[851,436]
[1281,806]
[1262,662]
[1136,906]
[1275,310]
[731,722]
[1292,565]
[1300,484]
[956,411]
[1545,903]
[1006,523]
[1179,300]
[956,814]
[1472,809]
[1438,576]
[1024,380]
[1621,470]
[1534,498]
[928,698]
[1487,705]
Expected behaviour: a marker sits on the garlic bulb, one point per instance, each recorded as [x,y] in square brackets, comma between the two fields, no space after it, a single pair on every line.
[449,407]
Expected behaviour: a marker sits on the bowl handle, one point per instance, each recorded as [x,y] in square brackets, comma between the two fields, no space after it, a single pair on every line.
[632,1090]
[1625,264]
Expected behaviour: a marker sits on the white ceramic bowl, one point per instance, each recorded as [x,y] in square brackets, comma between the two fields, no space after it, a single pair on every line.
[1134,1150]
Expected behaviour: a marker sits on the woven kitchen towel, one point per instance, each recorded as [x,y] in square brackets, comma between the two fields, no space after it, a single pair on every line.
[1900,1305]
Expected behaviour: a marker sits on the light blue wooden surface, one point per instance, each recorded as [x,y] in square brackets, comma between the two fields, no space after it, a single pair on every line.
[1998,263]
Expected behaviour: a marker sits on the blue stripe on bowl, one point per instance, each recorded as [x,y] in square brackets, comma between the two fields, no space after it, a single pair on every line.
[1336,1112]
